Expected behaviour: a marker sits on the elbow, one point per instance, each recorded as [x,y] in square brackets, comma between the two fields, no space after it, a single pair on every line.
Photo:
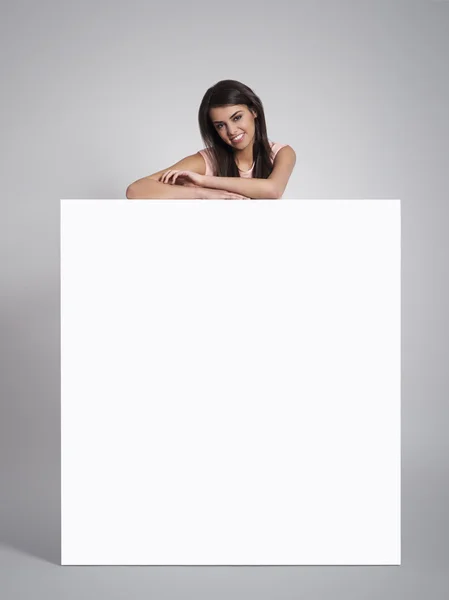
[131,193]
[140,190]
[276,193]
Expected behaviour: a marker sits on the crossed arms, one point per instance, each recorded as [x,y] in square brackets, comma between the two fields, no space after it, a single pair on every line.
[216,187]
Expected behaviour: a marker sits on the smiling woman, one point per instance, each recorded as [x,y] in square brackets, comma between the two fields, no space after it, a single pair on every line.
[238,162]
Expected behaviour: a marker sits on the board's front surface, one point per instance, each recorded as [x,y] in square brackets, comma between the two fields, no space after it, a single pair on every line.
[230,382]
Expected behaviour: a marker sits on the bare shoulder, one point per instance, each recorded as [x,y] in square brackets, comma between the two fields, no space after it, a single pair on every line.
[284,160]
[287,153]
[194,162]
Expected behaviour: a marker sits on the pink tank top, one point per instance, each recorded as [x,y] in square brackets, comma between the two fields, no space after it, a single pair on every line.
[275,147]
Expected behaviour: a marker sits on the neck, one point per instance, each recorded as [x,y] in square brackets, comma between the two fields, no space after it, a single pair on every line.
[244,158]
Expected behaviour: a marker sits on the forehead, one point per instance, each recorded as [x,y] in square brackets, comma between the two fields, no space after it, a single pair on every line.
[223,113]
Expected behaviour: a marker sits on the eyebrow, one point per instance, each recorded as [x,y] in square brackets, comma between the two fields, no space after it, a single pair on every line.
[230,116]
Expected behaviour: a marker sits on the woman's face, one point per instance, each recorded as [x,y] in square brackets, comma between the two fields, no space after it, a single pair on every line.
[234,124]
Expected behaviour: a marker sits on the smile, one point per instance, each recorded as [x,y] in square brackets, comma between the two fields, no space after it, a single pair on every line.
[238,138]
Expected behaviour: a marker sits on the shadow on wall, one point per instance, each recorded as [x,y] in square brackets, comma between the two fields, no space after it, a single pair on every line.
[30,458]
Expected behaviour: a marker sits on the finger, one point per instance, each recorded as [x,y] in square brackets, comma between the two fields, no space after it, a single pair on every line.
[167,175]
[172,177]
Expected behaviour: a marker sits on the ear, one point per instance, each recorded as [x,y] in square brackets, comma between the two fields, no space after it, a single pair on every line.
[254,113]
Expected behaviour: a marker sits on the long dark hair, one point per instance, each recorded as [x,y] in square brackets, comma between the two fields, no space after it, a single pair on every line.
[224,93]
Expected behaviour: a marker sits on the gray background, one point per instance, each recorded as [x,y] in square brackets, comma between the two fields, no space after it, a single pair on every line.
[98,94]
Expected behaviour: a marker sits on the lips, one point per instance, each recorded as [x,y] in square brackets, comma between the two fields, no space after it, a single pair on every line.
[237,138]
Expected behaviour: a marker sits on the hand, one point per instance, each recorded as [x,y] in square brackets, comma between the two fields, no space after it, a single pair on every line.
[189,178]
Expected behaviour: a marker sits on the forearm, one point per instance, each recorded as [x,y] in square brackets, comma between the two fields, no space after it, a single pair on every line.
[252,188]
[146,188]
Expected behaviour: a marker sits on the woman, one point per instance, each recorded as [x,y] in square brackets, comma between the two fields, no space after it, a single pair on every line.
[238,162]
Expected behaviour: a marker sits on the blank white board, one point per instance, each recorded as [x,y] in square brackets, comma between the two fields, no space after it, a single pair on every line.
[230,382]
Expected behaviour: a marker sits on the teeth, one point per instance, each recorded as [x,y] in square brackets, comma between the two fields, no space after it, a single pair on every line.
[237,138]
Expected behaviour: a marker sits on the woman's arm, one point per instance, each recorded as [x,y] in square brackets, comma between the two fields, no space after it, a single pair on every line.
[150,186]
[146,190]
[253,188]
[272,187]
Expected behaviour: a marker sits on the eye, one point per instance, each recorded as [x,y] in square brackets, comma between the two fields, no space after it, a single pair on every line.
[237,118]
